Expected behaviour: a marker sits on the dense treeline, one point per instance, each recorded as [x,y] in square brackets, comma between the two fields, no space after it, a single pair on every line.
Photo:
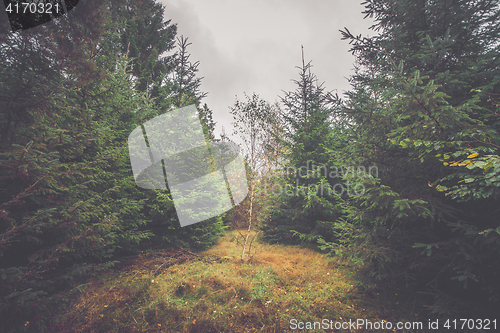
[422,115]
[71,91]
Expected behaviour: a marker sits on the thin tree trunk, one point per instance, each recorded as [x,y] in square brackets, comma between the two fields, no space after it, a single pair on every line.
[249,223]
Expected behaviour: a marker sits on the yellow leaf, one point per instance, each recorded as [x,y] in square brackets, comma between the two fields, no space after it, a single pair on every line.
[446,163]
[473,155]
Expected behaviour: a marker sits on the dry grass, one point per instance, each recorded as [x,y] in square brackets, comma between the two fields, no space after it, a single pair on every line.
[216,292]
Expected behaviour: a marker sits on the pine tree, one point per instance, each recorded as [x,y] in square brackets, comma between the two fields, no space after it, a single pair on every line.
[145,39]
[64,208]
[69,206]
[306,199]
[422,102]
[308,114]
[182,85]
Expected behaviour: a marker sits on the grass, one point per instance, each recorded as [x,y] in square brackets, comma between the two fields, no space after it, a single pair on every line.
[214,291]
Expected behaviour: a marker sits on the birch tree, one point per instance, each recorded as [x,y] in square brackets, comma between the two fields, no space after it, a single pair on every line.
[253,122]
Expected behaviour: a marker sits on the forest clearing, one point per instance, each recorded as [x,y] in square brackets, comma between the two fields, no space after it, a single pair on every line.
[123,207]
[214,291]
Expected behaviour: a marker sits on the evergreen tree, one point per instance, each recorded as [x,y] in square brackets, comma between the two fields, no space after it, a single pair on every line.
[308,114]
[182,85]
[64,208]
[422,102]
[69,206]
[306,199]
[145,38]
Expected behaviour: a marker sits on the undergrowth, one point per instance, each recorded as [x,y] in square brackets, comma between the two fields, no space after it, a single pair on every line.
[214,291]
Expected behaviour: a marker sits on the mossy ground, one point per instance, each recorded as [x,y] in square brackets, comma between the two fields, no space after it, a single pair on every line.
[214,291]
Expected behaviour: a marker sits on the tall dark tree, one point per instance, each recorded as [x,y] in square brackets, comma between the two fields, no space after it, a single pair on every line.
[144,39]
[422,109]
[306,199]
[308,112]
[65,118]
[68,202]
[182,84]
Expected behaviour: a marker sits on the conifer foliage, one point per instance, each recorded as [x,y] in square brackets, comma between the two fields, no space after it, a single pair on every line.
[304,202]
[423,110]
[71,93]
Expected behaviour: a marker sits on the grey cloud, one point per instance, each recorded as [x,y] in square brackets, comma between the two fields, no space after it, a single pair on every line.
[254,46]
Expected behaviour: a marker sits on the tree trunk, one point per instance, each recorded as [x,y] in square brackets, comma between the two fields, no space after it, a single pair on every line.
[249,223]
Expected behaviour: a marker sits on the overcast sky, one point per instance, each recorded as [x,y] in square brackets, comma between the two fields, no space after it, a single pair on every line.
[254,45]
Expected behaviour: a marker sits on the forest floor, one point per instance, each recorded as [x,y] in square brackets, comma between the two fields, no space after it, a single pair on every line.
[214,291]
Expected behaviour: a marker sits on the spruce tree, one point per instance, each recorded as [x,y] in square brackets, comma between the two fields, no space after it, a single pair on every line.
[182,84]
[422,109]
[308,114]
[306,199]
[69,206]
[145,39]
